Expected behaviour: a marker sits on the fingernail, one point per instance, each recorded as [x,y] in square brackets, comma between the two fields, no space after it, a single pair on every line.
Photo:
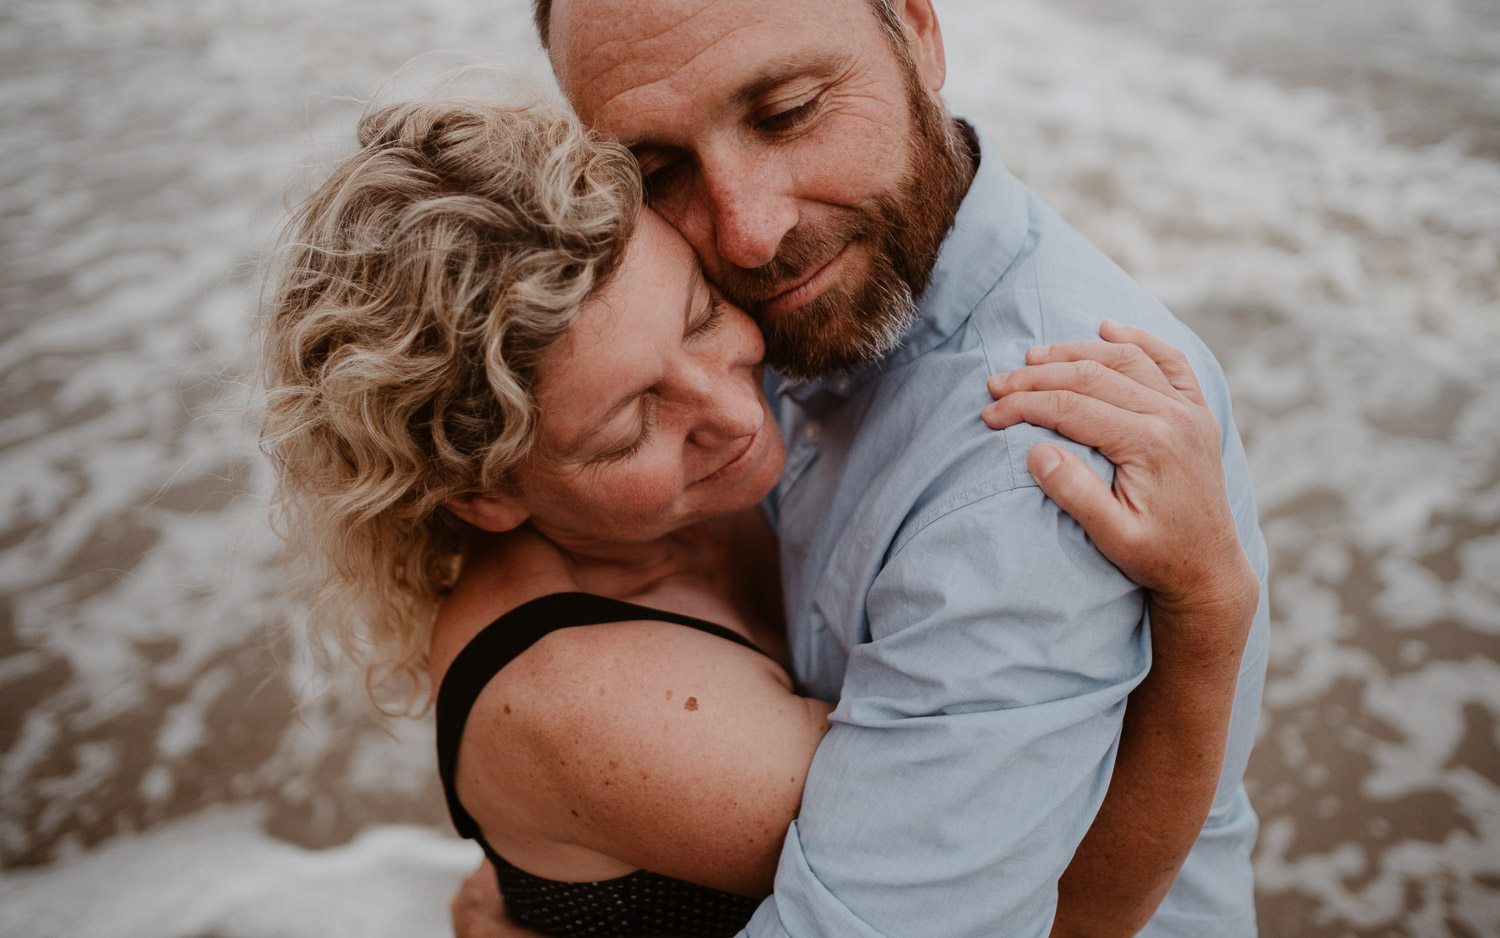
[1047,458]
[1108,323]
[1040,351]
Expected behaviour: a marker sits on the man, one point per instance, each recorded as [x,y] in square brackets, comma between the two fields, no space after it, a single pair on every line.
[980,648]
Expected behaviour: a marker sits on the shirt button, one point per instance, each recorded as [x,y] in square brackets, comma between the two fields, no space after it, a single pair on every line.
[812,431]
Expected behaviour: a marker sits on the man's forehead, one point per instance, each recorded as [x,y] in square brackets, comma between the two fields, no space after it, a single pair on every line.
[604,49]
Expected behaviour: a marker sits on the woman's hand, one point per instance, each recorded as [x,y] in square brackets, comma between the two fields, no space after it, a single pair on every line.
[1166,521]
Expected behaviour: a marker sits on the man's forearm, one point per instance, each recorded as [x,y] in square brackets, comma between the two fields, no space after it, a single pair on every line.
[1167,771]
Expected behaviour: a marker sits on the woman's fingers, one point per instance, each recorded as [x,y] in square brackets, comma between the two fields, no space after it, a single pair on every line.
[1167,357]
[1077,489]
[1119,433]
[1124,358]
[1087,377]
[1165,519]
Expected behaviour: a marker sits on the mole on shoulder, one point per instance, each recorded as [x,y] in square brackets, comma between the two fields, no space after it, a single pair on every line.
[692,704]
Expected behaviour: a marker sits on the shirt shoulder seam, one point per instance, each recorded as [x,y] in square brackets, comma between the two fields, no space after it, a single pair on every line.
[958,500]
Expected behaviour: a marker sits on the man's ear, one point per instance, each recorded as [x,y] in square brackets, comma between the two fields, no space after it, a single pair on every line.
[494,513]
[925,38]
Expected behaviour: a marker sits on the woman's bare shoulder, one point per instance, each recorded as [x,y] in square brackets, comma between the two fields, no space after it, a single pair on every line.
[655,744]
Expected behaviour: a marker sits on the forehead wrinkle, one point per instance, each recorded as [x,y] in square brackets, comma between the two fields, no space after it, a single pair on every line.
[626,59]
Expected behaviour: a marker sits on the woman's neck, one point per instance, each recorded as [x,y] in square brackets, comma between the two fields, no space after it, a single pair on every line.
[626,570]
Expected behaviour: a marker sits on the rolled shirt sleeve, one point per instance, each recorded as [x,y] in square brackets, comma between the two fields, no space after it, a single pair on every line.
[976,733]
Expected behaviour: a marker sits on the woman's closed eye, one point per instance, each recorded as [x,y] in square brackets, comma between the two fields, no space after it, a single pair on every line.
[715,316]
[648,422]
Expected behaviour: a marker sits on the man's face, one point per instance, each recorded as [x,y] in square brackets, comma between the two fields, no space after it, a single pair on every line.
[808,164]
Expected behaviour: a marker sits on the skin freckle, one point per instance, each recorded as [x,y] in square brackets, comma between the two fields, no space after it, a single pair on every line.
[507,709]
[669,695]
[575,814]
[692,704]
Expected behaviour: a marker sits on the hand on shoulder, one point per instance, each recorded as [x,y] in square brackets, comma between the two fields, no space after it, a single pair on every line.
[1166,520]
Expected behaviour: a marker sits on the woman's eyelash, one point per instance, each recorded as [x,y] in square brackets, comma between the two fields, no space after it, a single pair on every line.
[647,422]
[713,319]
[716,310]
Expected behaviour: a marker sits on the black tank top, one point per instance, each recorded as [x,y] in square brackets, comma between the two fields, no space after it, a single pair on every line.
[641,903]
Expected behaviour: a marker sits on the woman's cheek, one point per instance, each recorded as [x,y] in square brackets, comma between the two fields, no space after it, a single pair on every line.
[651,490]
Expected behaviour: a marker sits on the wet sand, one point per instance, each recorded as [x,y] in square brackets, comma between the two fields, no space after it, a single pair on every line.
[1343,269]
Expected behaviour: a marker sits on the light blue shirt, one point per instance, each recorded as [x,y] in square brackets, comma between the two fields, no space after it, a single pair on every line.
[979,647]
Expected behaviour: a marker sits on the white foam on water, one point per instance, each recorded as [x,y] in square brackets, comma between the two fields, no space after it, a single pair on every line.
[1207,185]
[148,145]
[218,874]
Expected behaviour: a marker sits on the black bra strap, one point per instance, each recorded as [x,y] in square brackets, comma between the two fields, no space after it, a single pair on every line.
[502,641]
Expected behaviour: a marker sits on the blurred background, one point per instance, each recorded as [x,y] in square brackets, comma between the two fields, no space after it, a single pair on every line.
[1314,185]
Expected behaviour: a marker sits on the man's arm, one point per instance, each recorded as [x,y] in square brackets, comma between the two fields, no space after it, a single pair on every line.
[976,732]
[1167,523]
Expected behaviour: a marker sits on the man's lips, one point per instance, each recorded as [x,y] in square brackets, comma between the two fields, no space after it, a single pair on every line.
[746,457]
[809,287]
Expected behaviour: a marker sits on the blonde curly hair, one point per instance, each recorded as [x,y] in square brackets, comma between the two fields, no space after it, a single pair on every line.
[410,299]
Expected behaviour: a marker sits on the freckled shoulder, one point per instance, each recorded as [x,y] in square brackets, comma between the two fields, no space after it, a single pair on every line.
[655,744]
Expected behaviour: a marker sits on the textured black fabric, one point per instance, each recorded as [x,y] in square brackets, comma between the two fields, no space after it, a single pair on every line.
[642,903]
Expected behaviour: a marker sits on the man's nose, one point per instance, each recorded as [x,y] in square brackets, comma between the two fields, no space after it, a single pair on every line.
[751,208]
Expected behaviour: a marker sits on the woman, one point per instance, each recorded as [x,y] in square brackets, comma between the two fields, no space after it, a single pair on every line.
[503,401]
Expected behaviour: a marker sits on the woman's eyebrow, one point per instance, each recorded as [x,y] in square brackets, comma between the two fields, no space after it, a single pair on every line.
[577,445]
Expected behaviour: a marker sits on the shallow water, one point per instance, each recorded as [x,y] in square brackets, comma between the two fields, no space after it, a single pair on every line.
[1313,186]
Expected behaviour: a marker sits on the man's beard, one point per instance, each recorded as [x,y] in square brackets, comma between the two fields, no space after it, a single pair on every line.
[902,231]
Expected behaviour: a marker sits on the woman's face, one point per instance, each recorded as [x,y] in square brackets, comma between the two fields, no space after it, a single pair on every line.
[652,415]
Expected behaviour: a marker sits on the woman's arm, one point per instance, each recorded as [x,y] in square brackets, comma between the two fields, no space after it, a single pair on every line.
[1167,524]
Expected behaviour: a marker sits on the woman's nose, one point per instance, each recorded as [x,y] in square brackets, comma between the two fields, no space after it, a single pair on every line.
[727,408]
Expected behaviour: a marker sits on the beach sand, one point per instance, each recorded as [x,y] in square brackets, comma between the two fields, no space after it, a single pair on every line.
[1330,224]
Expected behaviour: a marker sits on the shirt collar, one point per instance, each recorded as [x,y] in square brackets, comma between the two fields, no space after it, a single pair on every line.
[987,234]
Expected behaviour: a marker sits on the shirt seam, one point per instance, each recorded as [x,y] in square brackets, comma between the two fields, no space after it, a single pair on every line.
[962,499]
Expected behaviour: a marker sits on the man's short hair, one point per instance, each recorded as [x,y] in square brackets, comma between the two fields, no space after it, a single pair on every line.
[890,21]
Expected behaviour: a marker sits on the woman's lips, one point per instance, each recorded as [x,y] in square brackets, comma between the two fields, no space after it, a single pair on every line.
[746,458]
[810,288]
